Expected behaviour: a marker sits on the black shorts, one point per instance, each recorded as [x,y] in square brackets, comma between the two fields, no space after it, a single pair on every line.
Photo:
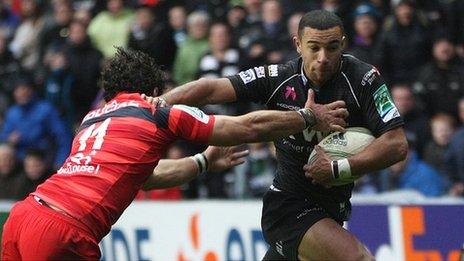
[285,220]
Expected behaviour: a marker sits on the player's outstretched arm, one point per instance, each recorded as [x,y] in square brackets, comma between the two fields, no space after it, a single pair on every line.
[171,173]
[257,126]
[201,92]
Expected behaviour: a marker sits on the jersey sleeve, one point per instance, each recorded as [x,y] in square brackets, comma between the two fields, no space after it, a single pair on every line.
[380,112]
[185,122]
[257,84]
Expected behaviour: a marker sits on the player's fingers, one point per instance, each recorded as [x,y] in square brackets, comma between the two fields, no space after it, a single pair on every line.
[340,112]
[339,121]
[319,150]
[240,154]
[159,102]
[306,167]
[336,104]
[334,127]
[237,162]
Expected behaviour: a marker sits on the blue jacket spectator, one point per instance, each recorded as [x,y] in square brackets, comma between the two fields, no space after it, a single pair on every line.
[454,157]
[8,20]
[413,174]
[34,123]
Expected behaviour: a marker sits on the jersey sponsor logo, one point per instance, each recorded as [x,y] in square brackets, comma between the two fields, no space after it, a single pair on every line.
[273,70]
[260,72]
[110,107]
[370,76]
[247,76]
[79,163]
[290,93]
[384,104]
[194,112]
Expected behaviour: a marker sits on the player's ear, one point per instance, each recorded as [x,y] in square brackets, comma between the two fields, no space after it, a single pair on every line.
[155,92]
[344,42]
[297,44]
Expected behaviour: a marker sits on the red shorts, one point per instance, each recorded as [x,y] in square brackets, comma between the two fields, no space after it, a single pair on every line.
[36,232]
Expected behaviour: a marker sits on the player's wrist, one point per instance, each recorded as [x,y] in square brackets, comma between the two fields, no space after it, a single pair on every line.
[202,162]
[341,169]
[309,117]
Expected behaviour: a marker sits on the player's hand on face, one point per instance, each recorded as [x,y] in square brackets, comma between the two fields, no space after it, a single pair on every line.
[155,101]
[222,158]
[320,170]
[330,117]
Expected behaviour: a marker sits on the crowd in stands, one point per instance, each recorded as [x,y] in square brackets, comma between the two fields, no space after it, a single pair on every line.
[51,53]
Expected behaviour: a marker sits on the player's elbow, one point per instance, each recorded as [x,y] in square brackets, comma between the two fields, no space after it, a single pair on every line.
[401,149]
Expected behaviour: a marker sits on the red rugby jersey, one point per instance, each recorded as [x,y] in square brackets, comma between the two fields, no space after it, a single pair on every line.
[114,152]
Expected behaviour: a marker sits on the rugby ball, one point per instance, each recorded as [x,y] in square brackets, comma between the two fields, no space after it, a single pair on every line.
[343,145]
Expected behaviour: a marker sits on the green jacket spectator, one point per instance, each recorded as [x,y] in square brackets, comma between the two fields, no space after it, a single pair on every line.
[187,61]
[190,52]
[111,28]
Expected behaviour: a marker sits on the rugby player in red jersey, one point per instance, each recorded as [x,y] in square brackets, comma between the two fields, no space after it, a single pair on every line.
[113,156]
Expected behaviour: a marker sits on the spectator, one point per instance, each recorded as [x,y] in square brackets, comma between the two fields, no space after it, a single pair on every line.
[461,111]
[56,31]
[253,10]
[221,61]
[25,44]
[265,41]
[9,68]
[415,174]
[154,38]
[455,21]
[236,19]
[177,18]
[83,15]
[189,54]
[111,27]
[59,85]
[79,51]
[440,83]
[260,168]
[8,20]
[442,126]
[415,122]
[366,29]
[31,122]
[35,172]
[404,44]
[290,52]
[454,160]
[9,173]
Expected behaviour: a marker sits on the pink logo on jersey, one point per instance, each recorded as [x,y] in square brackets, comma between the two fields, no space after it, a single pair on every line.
[290,92]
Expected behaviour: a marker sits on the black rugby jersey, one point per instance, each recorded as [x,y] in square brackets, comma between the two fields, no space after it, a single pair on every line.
[285,87]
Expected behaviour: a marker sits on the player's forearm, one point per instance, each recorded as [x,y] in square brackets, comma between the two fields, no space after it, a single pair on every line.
[271,125]
[201,92]
[383,152]
[172,173]
[258,126]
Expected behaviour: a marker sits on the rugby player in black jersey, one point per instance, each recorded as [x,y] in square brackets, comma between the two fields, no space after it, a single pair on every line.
[302,214]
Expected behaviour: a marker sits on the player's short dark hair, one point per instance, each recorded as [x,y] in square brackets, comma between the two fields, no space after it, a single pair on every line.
[131,72]
[320,20]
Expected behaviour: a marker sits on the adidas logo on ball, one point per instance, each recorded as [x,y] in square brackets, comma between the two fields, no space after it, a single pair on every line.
[338,139]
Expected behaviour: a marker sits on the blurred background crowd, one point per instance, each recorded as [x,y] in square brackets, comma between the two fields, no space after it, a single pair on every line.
[51,53]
